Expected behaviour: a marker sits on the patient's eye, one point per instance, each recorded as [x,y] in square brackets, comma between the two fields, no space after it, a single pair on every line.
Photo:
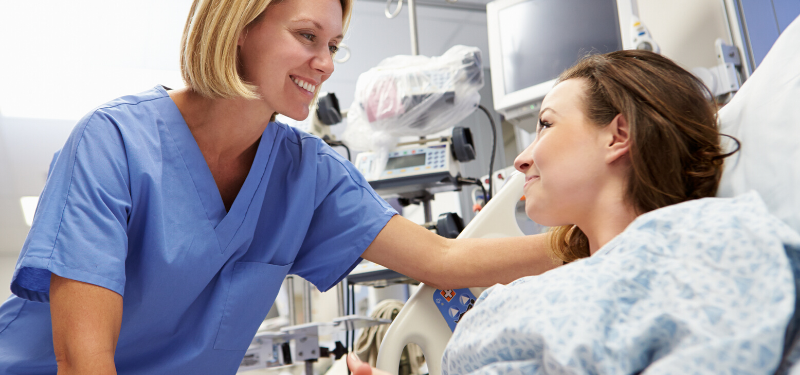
[542,125]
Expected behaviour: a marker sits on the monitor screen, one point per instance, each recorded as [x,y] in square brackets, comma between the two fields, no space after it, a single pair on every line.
[541,38]
[405,161]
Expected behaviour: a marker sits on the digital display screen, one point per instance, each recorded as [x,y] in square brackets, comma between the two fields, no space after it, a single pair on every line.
[542,38]
[405,161]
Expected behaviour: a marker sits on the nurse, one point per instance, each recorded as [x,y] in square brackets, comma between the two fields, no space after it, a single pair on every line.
[170,217]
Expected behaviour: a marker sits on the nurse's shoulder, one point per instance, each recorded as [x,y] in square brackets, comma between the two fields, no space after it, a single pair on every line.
[125,115]
[330,170]
[308,145]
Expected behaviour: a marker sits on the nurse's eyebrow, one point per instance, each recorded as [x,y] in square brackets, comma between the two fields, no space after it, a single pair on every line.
[318,26]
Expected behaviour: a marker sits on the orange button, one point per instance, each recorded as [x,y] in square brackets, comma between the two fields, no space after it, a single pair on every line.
[389,172]
[428,167]
[416,169]
[402,170]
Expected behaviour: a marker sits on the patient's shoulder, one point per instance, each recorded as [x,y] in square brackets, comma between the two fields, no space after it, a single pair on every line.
[707,215]
[702,225]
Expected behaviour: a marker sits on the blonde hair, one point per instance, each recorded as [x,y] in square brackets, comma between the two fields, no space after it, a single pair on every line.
[209,45]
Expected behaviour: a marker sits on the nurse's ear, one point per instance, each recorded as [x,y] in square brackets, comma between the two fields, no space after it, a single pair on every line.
[618,136]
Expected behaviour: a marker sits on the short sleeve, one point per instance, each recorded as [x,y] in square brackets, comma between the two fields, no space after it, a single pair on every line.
[79,230]
[348,216]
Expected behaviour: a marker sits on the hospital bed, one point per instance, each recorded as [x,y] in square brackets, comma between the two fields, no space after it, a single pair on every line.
[764,115]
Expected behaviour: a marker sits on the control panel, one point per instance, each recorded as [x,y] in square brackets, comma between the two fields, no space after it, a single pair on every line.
[410,161]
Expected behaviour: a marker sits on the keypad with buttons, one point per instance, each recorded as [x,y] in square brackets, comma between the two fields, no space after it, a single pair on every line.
[435,160]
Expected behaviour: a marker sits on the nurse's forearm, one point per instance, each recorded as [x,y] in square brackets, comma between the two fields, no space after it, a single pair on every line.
[488,261]
[448,264]
[86,324]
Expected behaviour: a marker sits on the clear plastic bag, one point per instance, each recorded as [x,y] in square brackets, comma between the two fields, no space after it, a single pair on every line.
[413,96]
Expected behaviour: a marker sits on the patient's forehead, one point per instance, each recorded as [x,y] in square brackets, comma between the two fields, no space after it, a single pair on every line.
[566,97]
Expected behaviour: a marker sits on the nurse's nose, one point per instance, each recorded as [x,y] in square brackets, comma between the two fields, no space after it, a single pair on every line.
[524,160]
[323,61]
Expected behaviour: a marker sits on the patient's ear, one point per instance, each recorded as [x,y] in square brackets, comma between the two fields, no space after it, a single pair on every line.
[619,139]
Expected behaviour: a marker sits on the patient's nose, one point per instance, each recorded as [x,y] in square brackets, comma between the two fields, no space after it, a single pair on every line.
[524,160]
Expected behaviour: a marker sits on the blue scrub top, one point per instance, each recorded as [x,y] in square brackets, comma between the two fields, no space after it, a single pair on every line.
[130,205]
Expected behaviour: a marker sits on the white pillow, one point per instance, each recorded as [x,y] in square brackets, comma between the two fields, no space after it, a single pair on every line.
[765,117]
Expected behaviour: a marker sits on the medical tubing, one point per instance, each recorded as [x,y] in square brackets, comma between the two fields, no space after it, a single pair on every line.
[474,181]
[494,148]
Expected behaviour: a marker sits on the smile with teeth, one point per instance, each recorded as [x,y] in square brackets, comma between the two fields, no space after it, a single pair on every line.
[304,85]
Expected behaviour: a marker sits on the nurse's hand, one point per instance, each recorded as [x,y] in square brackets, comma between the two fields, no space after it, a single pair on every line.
[362,368]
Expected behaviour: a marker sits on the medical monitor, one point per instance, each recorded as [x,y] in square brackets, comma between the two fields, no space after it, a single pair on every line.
[532,41]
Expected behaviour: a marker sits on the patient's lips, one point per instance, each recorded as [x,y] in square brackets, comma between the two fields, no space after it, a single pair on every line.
[531,178]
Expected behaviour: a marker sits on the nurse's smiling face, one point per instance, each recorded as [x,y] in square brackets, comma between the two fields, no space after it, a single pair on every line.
[564,166]
[288,52]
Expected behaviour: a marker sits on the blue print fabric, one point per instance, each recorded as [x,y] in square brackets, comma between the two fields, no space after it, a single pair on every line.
[702,287]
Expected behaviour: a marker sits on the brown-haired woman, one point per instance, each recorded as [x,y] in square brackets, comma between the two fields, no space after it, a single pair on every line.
[626,142]
[621,134]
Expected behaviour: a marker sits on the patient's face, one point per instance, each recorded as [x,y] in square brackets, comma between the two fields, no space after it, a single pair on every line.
[563,166]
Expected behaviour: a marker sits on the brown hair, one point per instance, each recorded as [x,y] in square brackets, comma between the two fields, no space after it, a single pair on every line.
[675,152]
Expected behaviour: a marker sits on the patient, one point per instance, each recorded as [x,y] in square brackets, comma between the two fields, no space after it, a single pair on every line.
[701,286]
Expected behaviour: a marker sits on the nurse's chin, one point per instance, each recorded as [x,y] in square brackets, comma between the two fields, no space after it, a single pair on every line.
[297,114]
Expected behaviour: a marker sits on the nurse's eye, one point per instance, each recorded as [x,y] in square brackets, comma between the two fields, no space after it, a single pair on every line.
[333,49]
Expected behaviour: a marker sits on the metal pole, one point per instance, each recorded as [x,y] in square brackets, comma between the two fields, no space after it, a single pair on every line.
[340,297]
[290,292]
[426,205]
[306,301]
[412,23]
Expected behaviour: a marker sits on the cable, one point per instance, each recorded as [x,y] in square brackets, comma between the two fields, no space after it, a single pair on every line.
[348,152]
[333,143]
[474,181]
[494,149]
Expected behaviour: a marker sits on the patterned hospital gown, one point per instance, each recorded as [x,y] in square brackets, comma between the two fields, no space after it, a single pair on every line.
[702,287]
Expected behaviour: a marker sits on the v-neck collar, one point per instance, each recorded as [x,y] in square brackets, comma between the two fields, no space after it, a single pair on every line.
[225,223]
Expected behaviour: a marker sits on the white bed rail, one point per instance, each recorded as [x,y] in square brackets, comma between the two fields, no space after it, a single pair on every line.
[420,321]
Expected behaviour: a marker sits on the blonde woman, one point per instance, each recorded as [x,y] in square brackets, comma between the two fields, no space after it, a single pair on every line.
[170,218]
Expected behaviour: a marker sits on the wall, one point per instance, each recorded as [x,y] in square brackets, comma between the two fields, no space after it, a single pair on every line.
[372,37]
[7,263]
[764,22]
[686,29]
[60,60]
